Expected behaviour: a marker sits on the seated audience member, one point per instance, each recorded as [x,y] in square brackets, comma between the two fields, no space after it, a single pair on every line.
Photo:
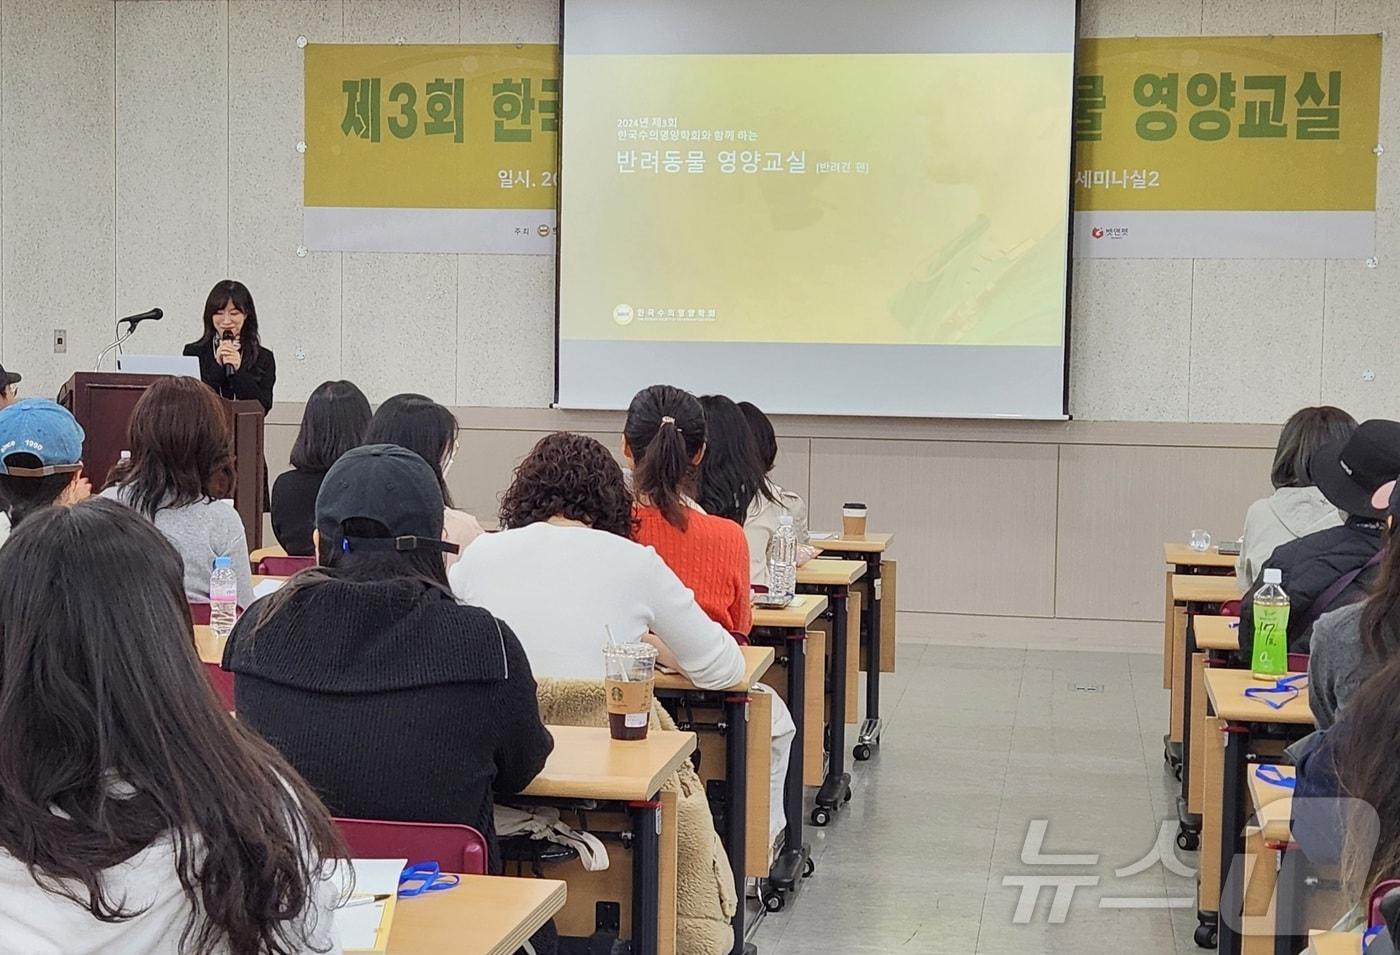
[565,520]
[135,815]
[335,419]
[663,441]
[1359,638]
[430,431]
[730,476]
[9,390]
[41,451]
[1297,507]
[761,522]
[180,475]
[1332,568]
[392,699]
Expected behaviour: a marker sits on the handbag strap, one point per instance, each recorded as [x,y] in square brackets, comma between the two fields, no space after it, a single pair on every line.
[1324,601]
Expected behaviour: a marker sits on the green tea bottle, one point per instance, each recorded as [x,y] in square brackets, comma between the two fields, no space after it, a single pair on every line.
[1270,660]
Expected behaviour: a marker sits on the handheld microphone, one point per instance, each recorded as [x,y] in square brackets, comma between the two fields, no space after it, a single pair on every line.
[228,369]
[131,321]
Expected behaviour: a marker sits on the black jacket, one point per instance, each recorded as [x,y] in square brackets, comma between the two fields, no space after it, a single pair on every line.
[294,510]
[392,700]
[1310,565]
[253,380]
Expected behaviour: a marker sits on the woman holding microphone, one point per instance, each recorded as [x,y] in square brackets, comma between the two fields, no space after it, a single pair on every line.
[232,360]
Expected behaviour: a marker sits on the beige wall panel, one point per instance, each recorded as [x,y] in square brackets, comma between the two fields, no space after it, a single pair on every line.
[1119,504]
[976,522]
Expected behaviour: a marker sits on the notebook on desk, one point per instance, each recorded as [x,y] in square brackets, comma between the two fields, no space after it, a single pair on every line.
[364,919]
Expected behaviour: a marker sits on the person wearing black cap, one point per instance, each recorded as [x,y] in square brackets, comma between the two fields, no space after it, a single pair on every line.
[1332,568]
[9,394]
[392,700]
[1355,641]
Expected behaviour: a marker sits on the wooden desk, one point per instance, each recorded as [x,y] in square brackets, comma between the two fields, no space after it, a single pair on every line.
[484,915]
[255,556]
[1245,722]
[1183,557]
[870,548]
[1218,634]
[834,578]
[806,700]
[587,764]
[1204,590]
[1336,943]
[747,756]
[1273,805]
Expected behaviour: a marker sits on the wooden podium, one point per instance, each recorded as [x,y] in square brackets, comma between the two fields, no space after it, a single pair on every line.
[103,403]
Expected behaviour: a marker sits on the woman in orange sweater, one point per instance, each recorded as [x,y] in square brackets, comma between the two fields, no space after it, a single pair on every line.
[663,441]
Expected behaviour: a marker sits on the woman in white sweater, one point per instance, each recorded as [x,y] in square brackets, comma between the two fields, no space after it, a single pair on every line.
[1296,508]
[564,573]
[135,815]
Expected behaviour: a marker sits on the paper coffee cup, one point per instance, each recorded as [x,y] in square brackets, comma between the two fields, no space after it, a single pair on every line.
[853,519]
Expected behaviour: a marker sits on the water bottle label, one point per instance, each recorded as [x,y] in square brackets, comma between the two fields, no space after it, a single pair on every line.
[1270,640]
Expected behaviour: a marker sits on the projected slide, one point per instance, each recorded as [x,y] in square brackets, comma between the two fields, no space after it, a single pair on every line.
[749,220]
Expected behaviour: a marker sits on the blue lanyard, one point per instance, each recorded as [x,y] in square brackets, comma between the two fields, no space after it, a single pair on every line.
[425,877]
[1269,773]
[1370,936]
[1288,687]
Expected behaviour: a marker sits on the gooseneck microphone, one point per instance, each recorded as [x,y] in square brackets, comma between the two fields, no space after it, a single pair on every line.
[131,321]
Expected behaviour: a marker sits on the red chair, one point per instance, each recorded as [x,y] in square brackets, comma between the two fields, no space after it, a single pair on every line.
[222,681]
[283,566]
[199,614]
[455,848]
[1298,663]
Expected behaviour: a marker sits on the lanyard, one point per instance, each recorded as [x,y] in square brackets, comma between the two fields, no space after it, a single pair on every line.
[1287,687]
[425,877]
[1269,773]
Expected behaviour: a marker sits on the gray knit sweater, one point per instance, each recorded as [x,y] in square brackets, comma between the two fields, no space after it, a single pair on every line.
[1335,667]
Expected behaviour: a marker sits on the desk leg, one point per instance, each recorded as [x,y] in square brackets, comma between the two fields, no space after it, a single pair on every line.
[646,869]
[1286,903]
[794,861]
[736,775]
[1188,831]
[870,729]
[1231,831]
[836,788]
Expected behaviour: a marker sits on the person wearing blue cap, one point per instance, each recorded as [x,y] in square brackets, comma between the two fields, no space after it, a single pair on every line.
[41,460]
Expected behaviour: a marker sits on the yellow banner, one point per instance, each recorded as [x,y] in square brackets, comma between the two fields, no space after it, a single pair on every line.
[1271,124]
[441,126]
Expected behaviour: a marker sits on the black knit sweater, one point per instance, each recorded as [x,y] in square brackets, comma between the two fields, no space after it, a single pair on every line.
[392,701]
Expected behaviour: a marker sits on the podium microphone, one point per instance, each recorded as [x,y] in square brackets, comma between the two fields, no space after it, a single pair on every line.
[131,321]
[227,337]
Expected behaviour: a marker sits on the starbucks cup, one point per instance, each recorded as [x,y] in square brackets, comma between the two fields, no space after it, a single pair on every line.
[629,674]
[852,519]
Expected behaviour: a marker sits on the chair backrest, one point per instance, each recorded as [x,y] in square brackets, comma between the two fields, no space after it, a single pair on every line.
[1298,663]
[455,848]
[222,681]
[199,614]
[283,566]
[1374,915]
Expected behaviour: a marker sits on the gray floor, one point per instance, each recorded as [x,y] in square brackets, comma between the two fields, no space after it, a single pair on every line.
[979,744]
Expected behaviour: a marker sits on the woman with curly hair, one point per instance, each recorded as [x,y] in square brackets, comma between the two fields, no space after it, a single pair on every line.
[563,572]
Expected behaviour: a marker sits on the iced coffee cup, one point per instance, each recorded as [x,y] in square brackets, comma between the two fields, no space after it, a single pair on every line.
[629,675]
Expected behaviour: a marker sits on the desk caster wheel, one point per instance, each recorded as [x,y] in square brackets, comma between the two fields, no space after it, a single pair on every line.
[773,901]
[808,868]
[1188,841]
[847,796]
[1206,936]
[821,817]
[862,752]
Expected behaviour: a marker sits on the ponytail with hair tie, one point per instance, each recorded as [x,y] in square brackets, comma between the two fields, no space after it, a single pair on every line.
[664,472]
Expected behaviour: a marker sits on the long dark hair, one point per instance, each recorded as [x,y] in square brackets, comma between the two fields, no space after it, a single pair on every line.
[22,496]
[1366,773]
[665,430]
[571,475]
[1306,431]
[236,293]
[420,424]
[111,738]
[765,439]
[335,419]
[731,473]
[1380,616]
[181,452]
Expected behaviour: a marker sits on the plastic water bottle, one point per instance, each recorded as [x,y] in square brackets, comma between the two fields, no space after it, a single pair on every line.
[1270,656]
[223,597]
[782,559]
